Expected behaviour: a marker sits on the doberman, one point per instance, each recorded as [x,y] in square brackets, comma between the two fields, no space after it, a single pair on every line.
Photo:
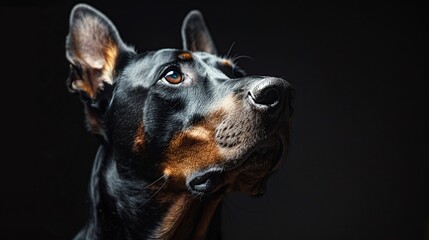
[178,129]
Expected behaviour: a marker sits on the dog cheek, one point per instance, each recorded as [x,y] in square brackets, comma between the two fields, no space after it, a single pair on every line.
[191,151]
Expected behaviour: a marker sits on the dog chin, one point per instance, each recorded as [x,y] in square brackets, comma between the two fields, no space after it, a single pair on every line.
[253,174]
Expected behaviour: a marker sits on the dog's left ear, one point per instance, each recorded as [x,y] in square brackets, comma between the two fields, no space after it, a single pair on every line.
[195,34]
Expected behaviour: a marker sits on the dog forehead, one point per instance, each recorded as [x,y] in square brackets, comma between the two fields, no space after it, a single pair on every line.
[210,64]
[145,69]
[142,69]
[208,58]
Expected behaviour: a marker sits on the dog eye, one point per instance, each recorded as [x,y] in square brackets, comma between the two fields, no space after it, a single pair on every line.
[173,77]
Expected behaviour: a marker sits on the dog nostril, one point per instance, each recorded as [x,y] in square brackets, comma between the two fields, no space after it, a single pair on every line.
[267,92]
[205,182]
[268,96]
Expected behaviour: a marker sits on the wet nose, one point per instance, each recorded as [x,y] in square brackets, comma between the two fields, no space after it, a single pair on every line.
[269,94]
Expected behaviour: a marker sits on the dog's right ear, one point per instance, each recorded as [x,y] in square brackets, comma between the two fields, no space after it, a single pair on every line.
[93,47]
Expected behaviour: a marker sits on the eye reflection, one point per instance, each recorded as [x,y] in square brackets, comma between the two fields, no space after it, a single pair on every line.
[174,77]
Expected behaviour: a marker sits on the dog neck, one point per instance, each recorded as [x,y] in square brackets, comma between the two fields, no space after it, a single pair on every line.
[190,218]
[120,209]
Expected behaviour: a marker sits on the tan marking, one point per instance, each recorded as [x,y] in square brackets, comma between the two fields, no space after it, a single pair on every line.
[185,56]
[199,133]
[138,145]
[173,217]
[192,150]
[80,85]
[110,55]
[167,172]
[227,62]
[229,105]
[206,214]
[85,83]
[187,217]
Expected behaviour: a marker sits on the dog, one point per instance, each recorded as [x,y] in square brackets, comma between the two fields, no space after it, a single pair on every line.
[178,129]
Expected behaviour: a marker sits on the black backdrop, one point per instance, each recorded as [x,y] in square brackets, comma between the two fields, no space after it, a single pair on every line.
[357,167]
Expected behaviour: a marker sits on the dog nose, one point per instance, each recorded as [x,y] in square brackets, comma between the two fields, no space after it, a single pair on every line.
[269,94]
[205,181]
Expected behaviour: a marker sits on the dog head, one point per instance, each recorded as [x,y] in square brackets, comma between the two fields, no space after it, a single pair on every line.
[186,115]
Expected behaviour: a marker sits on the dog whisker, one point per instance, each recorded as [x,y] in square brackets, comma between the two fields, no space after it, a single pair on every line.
[229,50]
[235,58]
[156,192]
[157,180]
[205,135]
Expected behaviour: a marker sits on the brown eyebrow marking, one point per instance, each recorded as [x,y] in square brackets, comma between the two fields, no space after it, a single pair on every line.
[186,56]
[227,62]
[139,141]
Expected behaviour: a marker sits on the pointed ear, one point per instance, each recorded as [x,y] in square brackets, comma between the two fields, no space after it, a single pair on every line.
[195,34]
[93,47]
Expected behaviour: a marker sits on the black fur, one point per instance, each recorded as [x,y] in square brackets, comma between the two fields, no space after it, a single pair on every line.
[121,205]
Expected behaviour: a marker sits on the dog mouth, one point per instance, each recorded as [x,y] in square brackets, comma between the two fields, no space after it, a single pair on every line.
[252,175]
[247,173]
[251,145]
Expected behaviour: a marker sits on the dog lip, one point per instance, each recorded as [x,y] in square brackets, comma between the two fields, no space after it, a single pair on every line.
[214,180]
[265,158]
[257,151]
[277,150]
[206,181]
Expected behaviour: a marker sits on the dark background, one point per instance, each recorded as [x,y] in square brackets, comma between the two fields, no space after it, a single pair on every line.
[357,167]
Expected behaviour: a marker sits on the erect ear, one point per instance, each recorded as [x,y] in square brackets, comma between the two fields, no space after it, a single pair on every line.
[93,47]
[195,35]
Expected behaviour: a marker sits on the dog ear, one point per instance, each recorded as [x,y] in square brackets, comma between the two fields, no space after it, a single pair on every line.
[93,47]
[195,34]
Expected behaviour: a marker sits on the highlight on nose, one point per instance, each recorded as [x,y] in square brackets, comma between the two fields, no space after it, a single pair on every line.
[268,94]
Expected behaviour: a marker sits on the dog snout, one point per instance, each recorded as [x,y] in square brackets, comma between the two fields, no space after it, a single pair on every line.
[269,94]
